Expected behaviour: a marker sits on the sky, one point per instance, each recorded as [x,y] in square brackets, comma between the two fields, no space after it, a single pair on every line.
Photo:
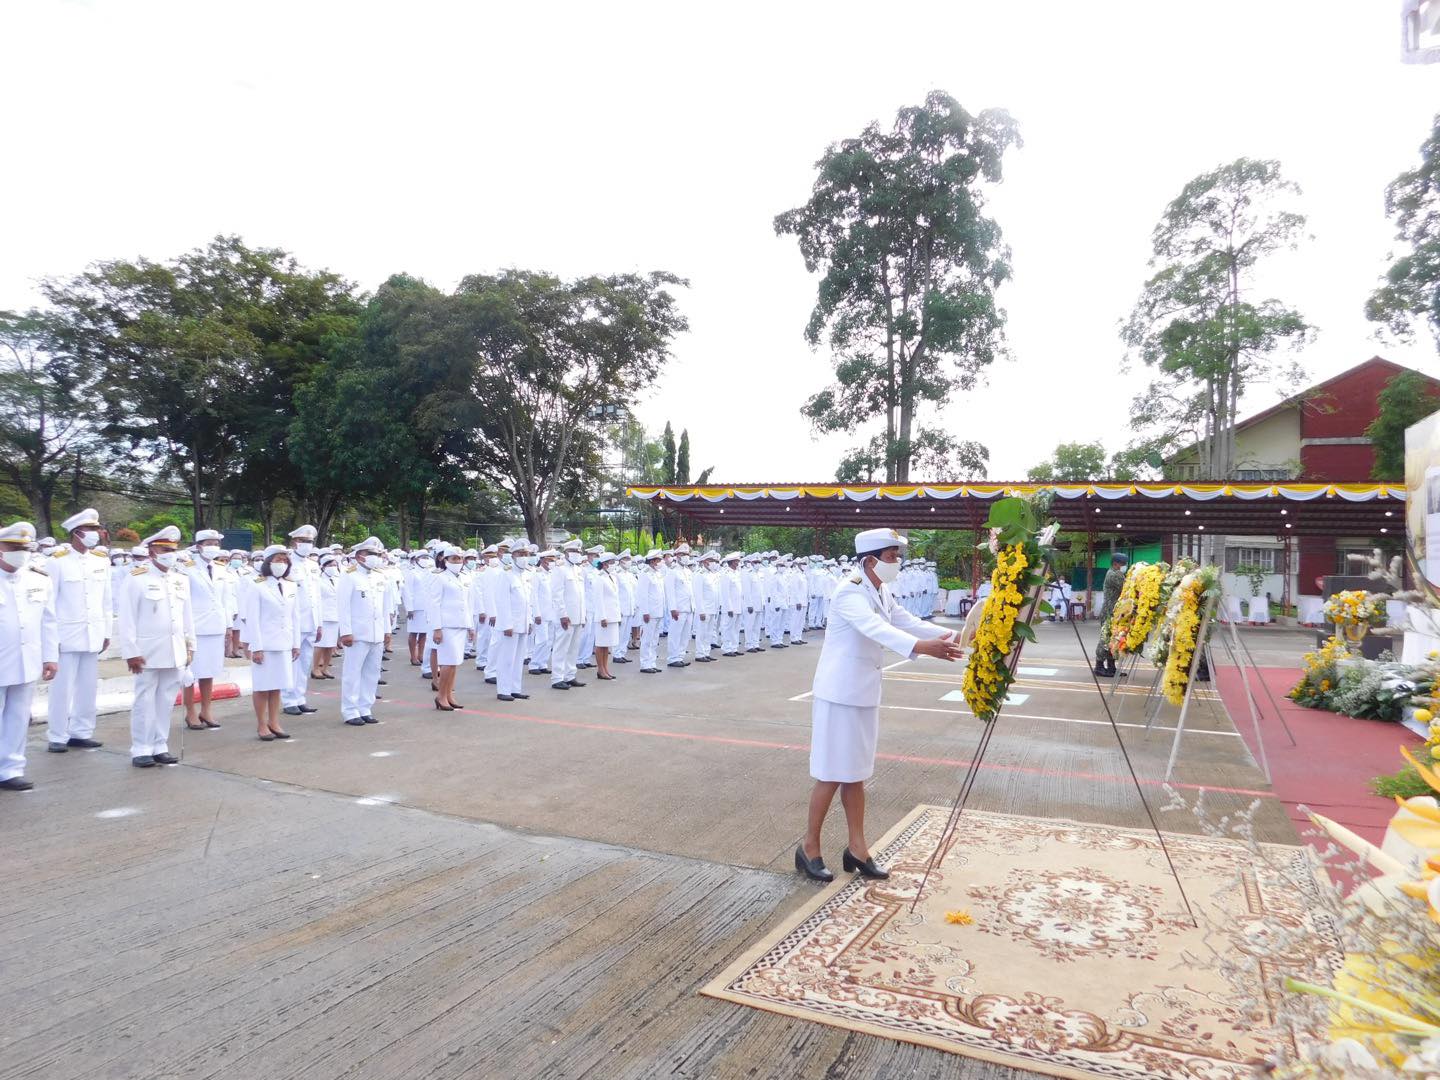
[448,138]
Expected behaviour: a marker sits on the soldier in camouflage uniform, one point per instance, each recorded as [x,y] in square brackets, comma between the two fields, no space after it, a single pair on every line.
[1114,582]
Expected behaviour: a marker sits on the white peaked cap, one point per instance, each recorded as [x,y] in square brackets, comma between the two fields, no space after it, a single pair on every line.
[549,553]
[682,549]
[877,539]
[275,549]
[710,556]
[22,532]
[168,535]
[370,543]
[84,517]
[304,532]
[491,550]
[608,556]
[654,554]
[598,549]
[573,545]
[208,534]
[626,554]
[733,556]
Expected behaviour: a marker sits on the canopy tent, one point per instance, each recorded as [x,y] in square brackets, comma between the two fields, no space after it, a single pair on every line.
[1286,509]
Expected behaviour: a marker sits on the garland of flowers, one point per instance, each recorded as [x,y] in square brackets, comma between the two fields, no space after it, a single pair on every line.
[1019,561]
[1124,609]
[1138,608]
[1321,677]
[1157,649]
[1192,591]
[1355,607]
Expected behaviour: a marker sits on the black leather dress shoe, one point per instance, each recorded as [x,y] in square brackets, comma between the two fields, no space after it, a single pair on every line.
[575,682]
[866,868]
[489,682]
[649,671]
[521,697]
[291,710]
[504,697]
[369,719]
[559,686]
[356,721]
[16,783]
[166,759]
[144,761]
[814,869]
[308,709]
[58,748]
[86,744]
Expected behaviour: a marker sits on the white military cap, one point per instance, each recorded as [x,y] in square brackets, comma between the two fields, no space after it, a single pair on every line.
[208,534]
[22,532]
[505,543]
[370,543]
[101,549]
[490,550]
[682,549]
[626,554]
[304,532]
[710,556]
[877,540]
[83,518]
[733,556]
[573,545]
[471,553]
[329,559]
[168,535]
[549,553]
[598,549]
[47,542]
[274,549]
[654,555]
[608,556]
[139,551]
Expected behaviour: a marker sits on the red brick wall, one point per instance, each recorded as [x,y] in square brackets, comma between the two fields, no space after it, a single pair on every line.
[1345,408]
[1336,464]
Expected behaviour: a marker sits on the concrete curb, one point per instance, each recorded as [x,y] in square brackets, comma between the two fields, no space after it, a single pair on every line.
[116,695]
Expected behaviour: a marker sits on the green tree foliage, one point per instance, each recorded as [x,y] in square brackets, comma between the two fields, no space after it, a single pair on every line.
[682,459]
[1406,399]
[1411,292]
[43,428]
[1195,323]
[667,461]
[909,263]
[1082,461]
[183,359]
[935,458]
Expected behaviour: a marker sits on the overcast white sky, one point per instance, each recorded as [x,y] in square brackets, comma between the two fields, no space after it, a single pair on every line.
[448,138]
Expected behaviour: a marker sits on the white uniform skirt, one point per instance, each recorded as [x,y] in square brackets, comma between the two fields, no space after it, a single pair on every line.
[842,741]
[328,636]
[451,650]
[209,662]
[607,637]
[276,673]
[417,623]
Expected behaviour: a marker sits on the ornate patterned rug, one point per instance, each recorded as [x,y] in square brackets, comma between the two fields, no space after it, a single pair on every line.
[1079,961]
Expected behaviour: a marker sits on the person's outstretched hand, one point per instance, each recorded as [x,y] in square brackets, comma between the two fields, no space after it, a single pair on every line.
[939,648]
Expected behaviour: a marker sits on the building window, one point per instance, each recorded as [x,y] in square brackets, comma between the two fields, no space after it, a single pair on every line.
[1257,475]
[1236,557]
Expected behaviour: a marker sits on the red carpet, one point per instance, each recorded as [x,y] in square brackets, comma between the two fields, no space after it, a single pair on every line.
[1335,757]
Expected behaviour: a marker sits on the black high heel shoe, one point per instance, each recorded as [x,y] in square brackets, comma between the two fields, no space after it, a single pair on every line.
[865,867]
[814,869]
[442,708]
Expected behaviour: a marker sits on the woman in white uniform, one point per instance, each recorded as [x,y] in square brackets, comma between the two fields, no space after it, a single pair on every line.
[328,636]
[607,614]
[864,620]
[270,627]
[451,624]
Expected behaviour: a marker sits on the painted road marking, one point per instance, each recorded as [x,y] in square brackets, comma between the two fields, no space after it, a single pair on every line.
[1063,720]
[1010,699]
[1046,671]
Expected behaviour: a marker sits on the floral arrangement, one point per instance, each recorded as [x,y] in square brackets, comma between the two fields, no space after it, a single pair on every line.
[1131,625]
[1017,578]
[1320,677]
[1189,597]
[1157,649]
[1355,607]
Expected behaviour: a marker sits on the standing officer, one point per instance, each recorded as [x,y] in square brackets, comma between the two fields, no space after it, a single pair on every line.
[567,595]
[680,602]
[365,598]
[214,603]
[650,609]
[29,649]
[1114,584]
[309,611]
[155,633]
[732,605]
[84,600]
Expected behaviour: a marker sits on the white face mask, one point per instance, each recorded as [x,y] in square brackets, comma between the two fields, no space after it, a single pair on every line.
[257,563]
[15,560]
[165,559]
[303,548]
[209,554]
[885,571]
[425,564]
[237,564]
[279,569]
[469,564]
[372,562]
[332,571]
[575,558]
[491,560]
[610,568]
[507,560]
[89,539]
[120,562]
[454,567]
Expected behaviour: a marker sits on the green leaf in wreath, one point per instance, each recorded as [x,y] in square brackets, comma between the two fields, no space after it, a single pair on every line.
[1024,631]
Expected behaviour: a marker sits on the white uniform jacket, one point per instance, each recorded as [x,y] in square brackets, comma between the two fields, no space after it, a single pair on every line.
[541,606]
[650,594]
[512,603]
[752,590]
[678,590]
[567,592]
[864,623]
[607,599]
[364,599]
[305,576]
[732,595]
[84,598]
[270,620]
[213,596]
[153,618]
[28,635]
[448,604]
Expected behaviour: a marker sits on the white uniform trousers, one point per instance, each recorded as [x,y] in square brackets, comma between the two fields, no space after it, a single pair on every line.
[730,633]
[508,667]
[585,652]
[72,697]
[649,643]
[562,653]
[752,629]
[360,678]
[679,638]
[482,643]
[797,624]
[14,722]
[775,624]
[540,641]
[294,694]
[704,633]
[155,690]
[492,652]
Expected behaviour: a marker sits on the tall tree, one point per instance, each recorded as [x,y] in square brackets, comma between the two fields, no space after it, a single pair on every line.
[1411,292]
[184,347]
[1195,321]
[682,458]
[937,458]
[44,434]
[1083,461]
[549,357]
[910,265]
[1406,399]
[667,464]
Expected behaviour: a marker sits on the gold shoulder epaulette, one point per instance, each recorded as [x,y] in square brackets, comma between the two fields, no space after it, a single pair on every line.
[60,552]
[138,570]
[37,570]
[854,578]
[259,579]
[349,569]
[99,555]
